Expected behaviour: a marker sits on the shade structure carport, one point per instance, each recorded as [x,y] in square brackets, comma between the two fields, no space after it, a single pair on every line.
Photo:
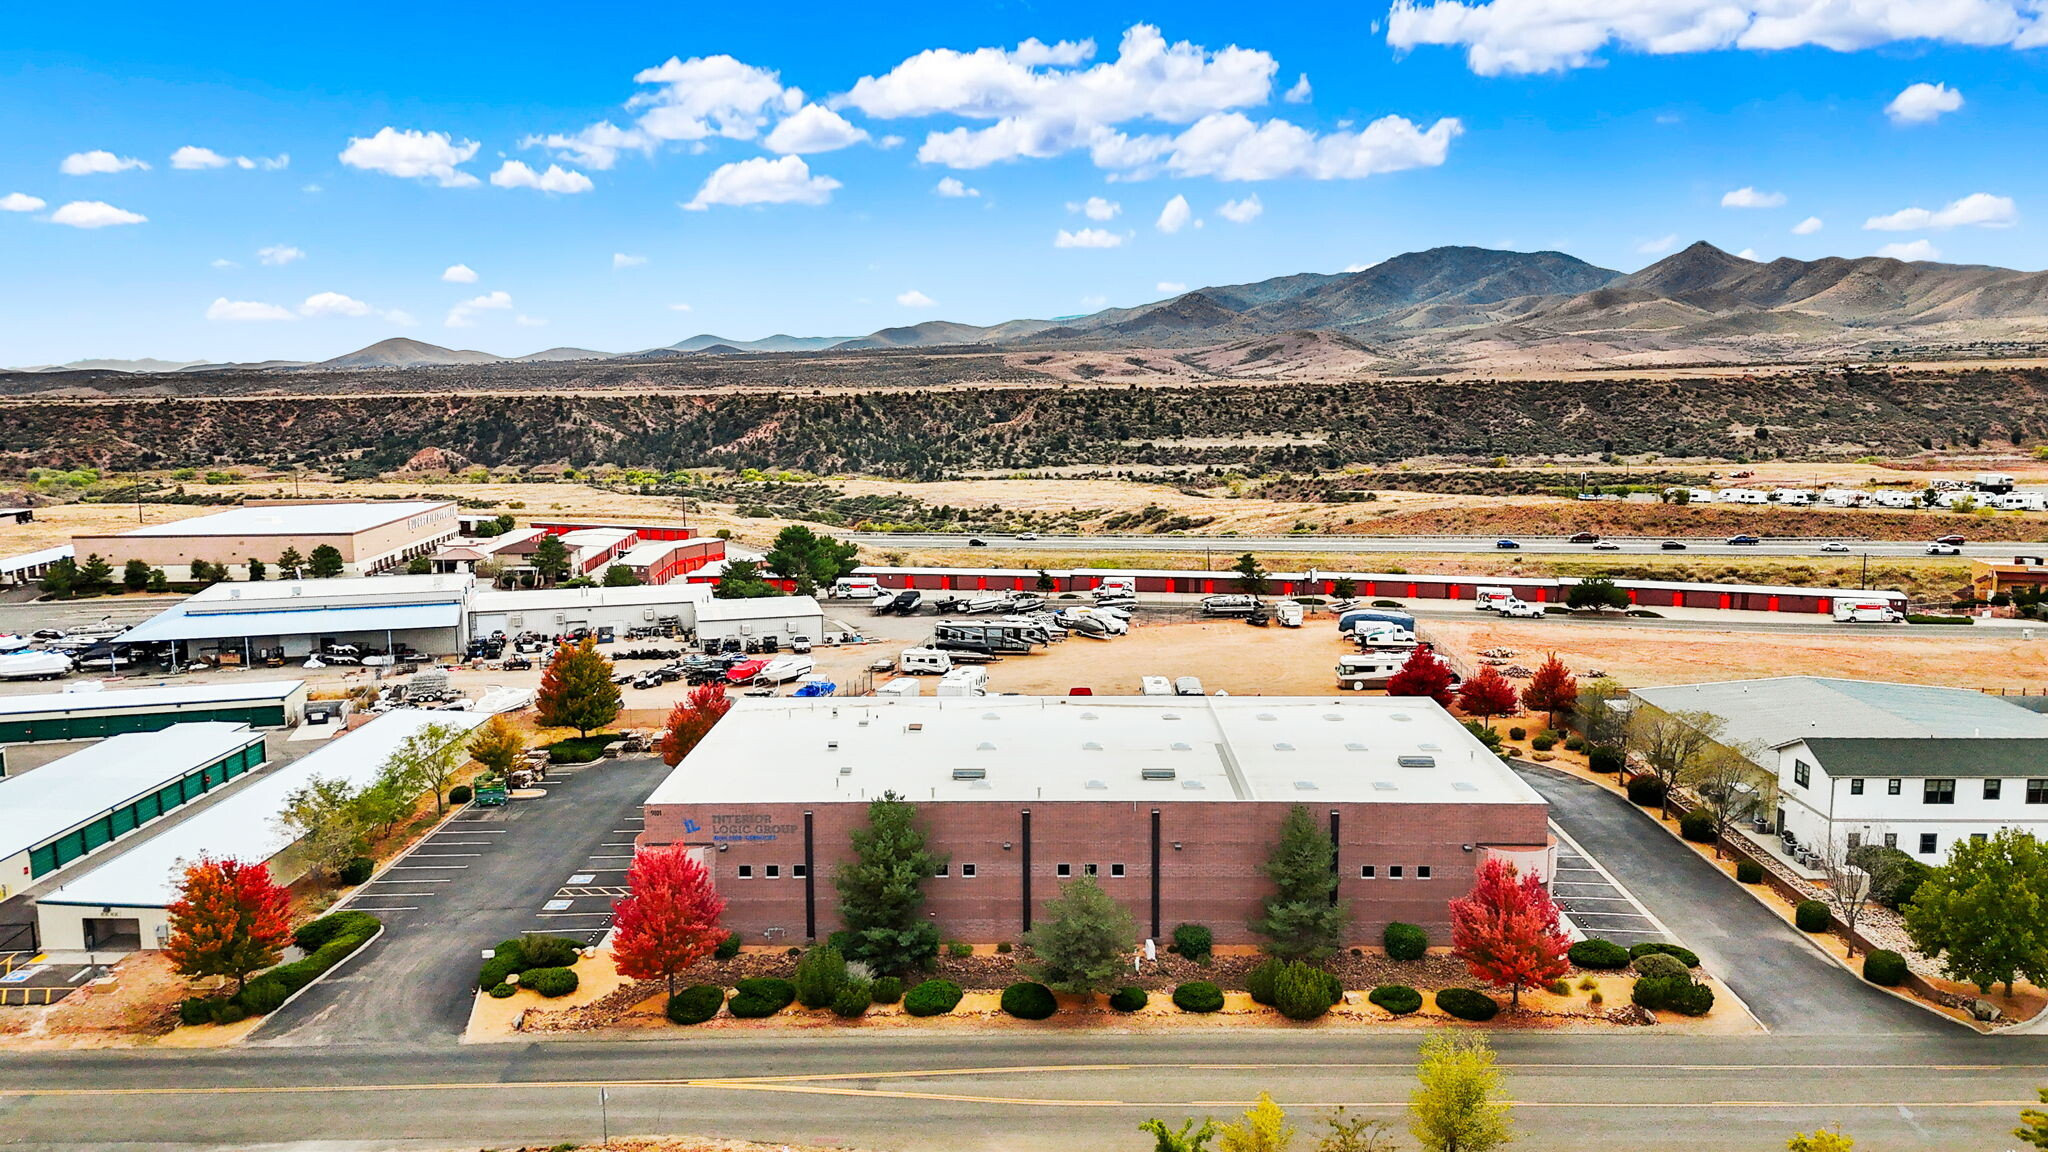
[302,631]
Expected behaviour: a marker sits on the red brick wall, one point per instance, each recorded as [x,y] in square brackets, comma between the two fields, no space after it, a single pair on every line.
[1213,879]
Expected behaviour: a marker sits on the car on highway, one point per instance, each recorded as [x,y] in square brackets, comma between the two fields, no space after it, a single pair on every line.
[976,542]
[1744,538]
[1673,545]
[1606,546]
[1951,538]
[1939,549]
[1834,546]
[1506,545]
[1583,538]
[1027,535]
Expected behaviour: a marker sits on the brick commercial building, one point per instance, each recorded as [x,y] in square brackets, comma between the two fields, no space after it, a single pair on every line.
[1173,804]
[372,536]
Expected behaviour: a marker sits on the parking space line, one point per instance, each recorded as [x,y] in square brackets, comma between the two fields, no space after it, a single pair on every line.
[560,915]
[400,908]
[1646,915]
[428,867]
[442,855]
[414,880]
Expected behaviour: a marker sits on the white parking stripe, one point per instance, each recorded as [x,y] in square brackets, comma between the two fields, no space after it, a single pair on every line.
[414,880]
[400,908]
[428,867]
[442,855]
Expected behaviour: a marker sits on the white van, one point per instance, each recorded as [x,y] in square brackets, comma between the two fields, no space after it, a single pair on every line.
[963,682]
[855,588]
[1491,598]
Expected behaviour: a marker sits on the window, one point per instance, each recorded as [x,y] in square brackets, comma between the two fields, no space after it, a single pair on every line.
[2037,791]
[799,871]
[1928,842]
[1992,789]
[774,871]
[967,871]
[1116,871]
[1891,787]
[1980,837]
[1064,871]
[1855,841]
[1939,792]
[1088,869]
[746,871]
[1422,871]
[942,870]
[1365,871]
[1891,839]
[1393,871]
[1802,773]
[1856,786]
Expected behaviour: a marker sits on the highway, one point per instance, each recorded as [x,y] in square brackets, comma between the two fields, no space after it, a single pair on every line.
[1225,546]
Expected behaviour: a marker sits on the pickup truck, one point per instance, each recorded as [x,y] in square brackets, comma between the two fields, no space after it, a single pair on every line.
[1520,610]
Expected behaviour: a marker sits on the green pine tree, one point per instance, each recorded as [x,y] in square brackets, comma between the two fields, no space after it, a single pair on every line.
[95,572]
[135,575]
[326,562]
[1085,942]
[551,558]
[881,892]
[1303,919]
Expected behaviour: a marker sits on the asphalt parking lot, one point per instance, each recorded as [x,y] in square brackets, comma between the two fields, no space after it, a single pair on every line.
[550,864]
[1594,900]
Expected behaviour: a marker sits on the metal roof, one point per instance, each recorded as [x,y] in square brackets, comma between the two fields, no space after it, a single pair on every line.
[243,825]
[35,559]
[178,624]
[758,608]
[1901,756]
[58,703]
[39,806]
[1772,711]
[294,519]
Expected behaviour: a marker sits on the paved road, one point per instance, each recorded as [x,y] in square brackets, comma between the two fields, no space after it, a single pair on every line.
[490,874]
[1223,546]
[1783,978]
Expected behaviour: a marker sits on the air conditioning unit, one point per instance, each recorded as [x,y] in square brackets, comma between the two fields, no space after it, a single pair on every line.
[970,773]
[1156,773]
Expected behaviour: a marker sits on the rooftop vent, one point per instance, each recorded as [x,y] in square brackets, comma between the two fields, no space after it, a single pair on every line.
[990,716]
[1400,717]
[1282,746]
[1354,746]
[1267,716]
[1384,786]
[1182,746]
[1416,761]
[846,769]
[1169,715]
[1192,785]
[970,773]
[1091,746]
[1155,774]
[979,786]
[1430,747]
[984,746]
[1087,715]
[1096,786]
[1464,786]
[913,727]
[1304,785]
[1331,716]
[831,744]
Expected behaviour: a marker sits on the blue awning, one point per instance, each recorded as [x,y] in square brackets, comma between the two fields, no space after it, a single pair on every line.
[177,624]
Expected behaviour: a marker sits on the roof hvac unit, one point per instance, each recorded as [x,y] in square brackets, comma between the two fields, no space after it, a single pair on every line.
[970,773]
[1155,774]
[1416,761]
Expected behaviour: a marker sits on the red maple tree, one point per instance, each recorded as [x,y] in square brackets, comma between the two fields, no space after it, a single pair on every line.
[669,919]
[230,919]
[1424,673]
[691,719]
[1552,690]
[1487,694]
[1506,930]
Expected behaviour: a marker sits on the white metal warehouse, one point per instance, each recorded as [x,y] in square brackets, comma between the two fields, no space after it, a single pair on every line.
[304,616]
[92,715]
[555,611]
[122,901]
[72,807]
[781,616]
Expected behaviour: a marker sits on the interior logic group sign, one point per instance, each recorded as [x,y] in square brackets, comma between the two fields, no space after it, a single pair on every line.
[745,826]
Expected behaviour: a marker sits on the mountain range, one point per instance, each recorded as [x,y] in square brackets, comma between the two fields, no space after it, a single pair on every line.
[1444,308]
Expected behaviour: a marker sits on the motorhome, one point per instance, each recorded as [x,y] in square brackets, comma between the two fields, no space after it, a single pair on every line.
[1368,670]
[1349,621]
[1866,610]
[1792,497]
[988,635]
[1231,604]
[2019,501]
[1155,686]
[1992,482]
[1117,587]
[924,662]
[1890,499]
[1381,635]
[1490,598]
[1844,497]
[963,682]
[1741,496]
[1288,613]
[854,588]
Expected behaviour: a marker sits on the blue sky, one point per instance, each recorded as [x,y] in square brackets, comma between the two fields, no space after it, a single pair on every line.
[783,173]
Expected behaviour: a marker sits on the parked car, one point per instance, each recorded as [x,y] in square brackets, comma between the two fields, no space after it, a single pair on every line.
[1606,546]
[1939,549]
[1744,538]
[1673,545]
[1585,538]
[1834,546]
[1506,545]
[1951,538]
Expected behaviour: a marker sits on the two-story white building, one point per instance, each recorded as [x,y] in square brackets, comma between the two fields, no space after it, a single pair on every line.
[1910,766]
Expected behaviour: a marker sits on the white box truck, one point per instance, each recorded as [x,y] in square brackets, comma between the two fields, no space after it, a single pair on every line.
[1117,588]
[1866,610]
[1491,598]
[855,588]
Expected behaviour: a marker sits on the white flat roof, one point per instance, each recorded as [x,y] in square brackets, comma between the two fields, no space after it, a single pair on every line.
[115,700]
[641,555]
[1314,750]
[50,801]
[243,825]
[35,559]
[552,599]
[252,595]
[758,608]
[280,621]
[293,519]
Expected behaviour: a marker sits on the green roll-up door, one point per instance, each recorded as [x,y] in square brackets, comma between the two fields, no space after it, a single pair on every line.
[123,820]
[42,861]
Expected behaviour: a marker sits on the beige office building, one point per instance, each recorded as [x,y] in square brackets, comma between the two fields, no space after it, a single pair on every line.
[372,537]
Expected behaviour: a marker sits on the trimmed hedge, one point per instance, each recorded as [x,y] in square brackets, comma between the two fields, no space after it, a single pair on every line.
[1748,872]
[1303,992]
[1197,996]
[695,1004]
[1646,792]
[1593,952]
[820,974]
[1885,967]
[1404,941]
[1467,1004]
[932,998]
[1657,965]
[1542,742]
[500,991]
[1260,981]
[356,870]
[1811,916]
[317,934]
[1680,994]
[886,989]
[760,996]
[729,947]
[1194,941]
[1396,998]
[1028,1000]
[549,951]
[1683,955]
[852,1000]
[1604,759]
[1697,826]
[549,982]
[1130,999]
[461,794]
[1517,732]
[327,942]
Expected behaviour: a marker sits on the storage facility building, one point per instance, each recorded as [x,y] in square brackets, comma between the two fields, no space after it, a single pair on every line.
[304,616]
[781,616]
[70,808]
[121,902]
[1172,804]
[90,715]
[372,536]
[556,611]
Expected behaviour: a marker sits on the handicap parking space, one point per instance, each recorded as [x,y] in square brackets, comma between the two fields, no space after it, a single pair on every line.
[1597,903]
[581,907]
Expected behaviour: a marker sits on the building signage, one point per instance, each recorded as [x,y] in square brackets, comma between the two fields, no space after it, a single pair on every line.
[745,826]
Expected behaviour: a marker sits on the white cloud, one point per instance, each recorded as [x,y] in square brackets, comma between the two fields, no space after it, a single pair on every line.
[398,316]
[1093,302]
[1747,254]
[464,315]
[1096,208]
[459,274]
[1915,250]
[813,128]
[333,304]
[556,180]
[20,202]
[1356,267]
[1552,35]
[1301,93]
[710,96]
[1747,197]
[193,158]
[1170,287]
[240,310]
[1923,103]
[1230,146]
[951,188]
[1087,238]
[916,299]
[525,321]
[626,260]
[787,180]
[1978,209]
[278,255]
[1659,245]
[94,214]
[413,155]
[224,262]
[98,162]
[1242,211]
[679,307]
[1808,226]
[1175,216]
[597,146]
